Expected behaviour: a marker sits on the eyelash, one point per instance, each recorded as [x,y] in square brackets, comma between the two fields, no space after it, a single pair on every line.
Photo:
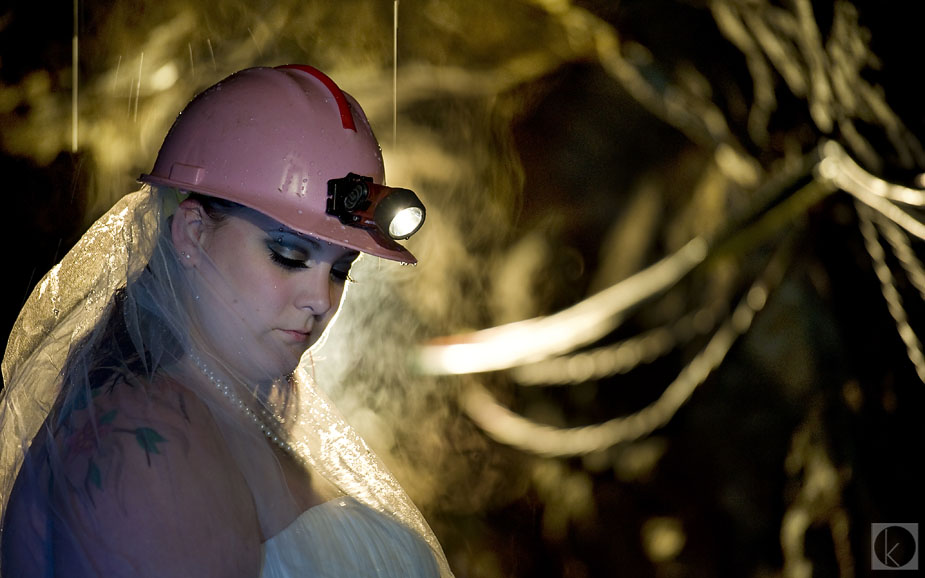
[292,264]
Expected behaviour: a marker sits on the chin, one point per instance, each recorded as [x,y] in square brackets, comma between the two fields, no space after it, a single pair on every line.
[270,369]
[280,359]
[289,365]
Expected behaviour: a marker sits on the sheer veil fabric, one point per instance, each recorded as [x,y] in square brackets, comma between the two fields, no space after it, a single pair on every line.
[120,314]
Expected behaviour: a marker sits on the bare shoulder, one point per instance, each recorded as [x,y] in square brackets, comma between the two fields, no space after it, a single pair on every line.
[149,486]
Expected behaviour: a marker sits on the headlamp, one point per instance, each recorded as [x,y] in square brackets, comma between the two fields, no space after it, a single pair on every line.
[358,201]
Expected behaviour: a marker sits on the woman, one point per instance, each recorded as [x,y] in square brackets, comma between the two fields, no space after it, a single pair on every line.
[155,420]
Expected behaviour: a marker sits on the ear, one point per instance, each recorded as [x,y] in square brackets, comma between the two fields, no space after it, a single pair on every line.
[187,230]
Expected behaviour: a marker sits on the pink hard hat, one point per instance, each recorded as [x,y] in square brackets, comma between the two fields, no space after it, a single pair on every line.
[271,139]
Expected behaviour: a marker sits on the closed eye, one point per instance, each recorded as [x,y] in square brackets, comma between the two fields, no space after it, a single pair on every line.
[341,270]
[341,275]
[292,257]
[288,256]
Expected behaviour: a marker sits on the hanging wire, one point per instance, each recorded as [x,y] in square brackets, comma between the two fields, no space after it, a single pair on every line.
[517,344]
[696,116]
[876,196]
[620,357]
[507,427]
[839,168]
[395,74]
[834,170]
[531,340]
[899,242]
[75,81]
[890,293]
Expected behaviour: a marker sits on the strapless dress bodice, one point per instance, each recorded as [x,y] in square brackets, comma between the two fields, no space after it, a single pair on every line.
[344,538]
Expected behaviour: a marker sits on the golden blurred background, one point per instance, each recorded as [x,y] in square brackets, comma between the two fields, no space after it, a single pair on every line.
[665,318]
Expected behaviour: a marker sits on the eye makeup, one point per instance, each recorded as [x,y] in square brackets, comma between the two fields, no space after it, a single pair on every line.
[292,251]
[341,269]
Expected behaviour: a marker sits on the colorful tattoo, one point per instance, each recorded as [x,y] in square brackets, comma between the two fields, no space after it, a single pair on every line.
[85,442]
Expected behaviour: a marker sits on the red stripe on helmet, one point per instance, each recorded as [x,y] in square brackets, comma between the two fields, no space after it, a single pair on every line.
[342,105]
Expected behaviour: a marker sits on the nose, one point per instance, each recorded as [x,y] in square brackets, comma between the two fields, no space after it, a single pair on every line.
[314,289]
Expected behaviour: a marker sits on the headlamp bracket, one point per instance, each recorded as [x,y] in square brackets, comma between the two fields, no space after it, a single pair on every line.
[349,198]
[357,201]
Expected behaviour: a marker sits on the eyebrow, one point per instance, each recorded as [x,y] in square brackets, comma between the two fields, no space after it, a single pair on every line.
[349,253]
[271,226]
[315,243]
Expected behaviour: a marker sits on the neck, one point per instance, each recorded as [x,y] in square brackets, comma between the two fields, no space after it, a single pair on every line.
[258,411]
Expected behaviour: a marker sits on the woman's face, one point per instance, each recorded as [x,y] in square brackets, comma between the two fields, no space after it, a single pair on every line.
[265,293]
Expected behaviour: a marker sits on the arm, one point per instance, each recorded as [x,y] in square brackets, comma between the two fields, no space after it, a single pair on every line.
[145,487]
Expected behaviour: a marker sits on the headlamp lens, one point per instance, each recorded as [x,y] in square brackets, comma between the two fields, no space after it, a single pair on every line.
[406,222]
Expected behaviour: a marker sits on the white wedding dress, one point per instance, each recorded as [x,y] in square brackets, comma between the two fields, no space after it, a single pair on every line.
[343,538]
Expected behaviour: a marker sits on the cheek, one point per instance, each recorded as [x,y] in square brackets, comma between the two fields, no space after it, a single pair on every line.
[253,288]
[266,292]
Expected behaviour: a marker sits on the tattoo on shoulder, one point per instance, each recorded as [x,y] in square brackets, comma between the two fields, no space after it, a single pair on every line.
[84,435]
[84,444]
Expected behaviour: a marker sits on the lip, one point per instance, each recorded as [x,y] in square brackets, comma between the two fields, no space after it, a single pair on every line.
[297,335]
